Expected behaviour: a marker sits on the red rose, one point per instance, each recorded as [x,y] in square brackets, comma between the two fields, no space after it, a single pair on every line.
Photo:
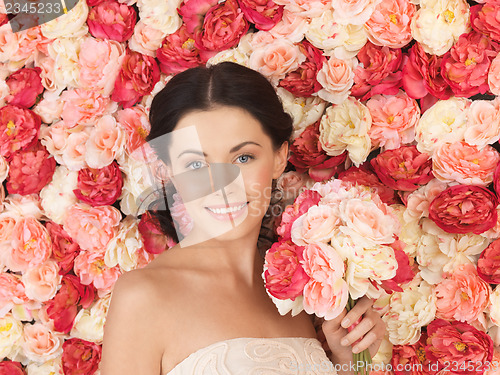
[404,168]
[404,272]
[80,357]
[465,66]
[193,12]
[99,187]
[64,249]
[112,20]
[265,14]
[138,76]
[178,52]
[364,175]
[488,264]
[285,277]
[3,19]
[155,242]
[93,3]
[464,209]
[62,309]
[30,170]
[8,367]
[19,129]
[459,347]
[25,85]
[302,82]
[486,19]
[378,73]
[306,154]
[422,75]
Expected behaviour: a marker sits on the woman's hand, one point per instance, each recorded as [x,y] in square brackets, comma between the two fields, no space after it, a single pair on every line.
[371,330]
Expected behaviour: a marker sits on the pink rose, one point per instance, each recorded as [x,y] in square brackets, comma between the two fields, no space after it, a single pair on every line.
[80,357]
[306,154]
[155,241]
[404,168]
[483,123]
[464,209]
[488,264]
[180,215]
[106,143]
[365,175]
[494,75]
[193,12]
[83,107]
[138,75]
[99,187]
[458,343]
[486,19]
[41,282]
[464,163]
[304,201]
[64,249]
[263,13]
[40,343]
[178,52]
[393,119]
[136,124]
[19,129]
[112,20]
[25,85]
[290,183]
[378,73]
[99,62]
[12,292]
[326,293]
[465,66]
[318,224]
[92,227]
[30,170]
[285,278]
[389,24]
[31,244]
[422,75]
[292,26]
[306,8]
[462,295]
[91,269]
[336,77]
[303,81]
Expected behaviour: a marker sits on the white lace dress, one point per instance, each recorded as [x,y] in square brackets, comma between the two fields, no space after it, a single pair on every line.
[258,356]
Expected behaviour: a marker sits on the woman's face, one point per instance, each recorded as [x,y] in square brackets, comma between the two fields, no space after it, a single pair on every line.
[222,165]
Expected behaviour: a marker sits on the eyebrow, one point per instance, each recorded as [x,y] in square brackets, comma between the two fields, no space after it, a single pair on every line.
[234,149]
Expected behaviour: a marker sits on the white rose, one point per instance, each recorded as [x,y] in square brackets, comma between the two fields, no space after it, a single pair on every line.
[57,197]
[64,51]
[50,107]
[11,332]
[89,323]
[445,121]
[232,54]
[71,24]
[353,12]
[345,127]
[161,15]
[51,367]
[24,205]
[321,31]
[123,248]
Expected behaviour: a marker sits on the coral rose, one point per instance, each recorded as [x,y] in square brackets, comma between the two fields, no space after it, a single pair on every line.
[40,344]
[488,264]
[106,143]
[12,292]
[464,209]
[19,129]
[404,168]
[318,224]
[99,187]
[41,282]
[112,20]
[486,19]
[483,123]
[494,75]
[80,356]
[25,85]
[285,278]
[336,76]
[90,267]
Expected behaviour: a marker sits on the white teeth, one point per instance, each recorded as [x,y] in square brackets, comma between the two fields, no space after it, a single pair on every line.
[226,210]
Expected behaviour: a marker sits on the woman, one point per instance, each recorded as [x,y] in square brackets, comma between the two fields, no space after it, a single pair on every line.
[201,307]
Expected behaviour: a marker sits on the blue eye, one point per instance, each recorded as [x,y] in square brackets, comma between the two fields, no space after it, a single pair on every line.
[247,156]
[193,163]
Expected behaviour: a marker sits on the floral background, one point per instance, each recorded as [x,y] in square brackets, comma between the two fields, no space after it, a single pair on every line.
[396,95]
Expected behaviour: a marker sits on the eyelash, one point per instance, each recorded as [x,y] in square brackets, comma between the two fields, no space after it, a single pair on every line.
[250,156]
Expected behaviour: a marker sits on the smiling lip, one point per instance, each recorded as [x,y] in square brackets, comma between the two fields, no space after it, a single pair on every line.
[227,206]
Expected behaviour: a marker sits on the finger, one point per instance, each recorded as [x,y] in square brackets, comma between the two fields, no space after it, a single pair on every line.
[361,329]
[371,340]
[361,306]
[333,325]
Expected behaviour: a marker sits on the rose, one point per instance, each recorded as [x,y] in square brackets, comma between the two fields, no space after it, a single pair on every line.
[411,355]
[485,19]
[458,343]
[136,125]
[306,8]
[473,292]
[483,123]
[336,76]
[378,73]
[263,14]
[353,12]
[19,129]
[8,367]
[465,67]
[291,26]
[83,107]
[41,282]
[40,344]
[80,357]
[112,20]
[303,81]
[138,75]
[306,154]
[464,209]
[64,249]
[25,85]
[12,292]
[99,187]
[180,215]
[464,163]
[318,224]
[422,75]
[404,168]
[488,267]
[494,75]
[284,275]
[106,143]
[91,268]
[290,184]
[193,11]
[393,119]
[389,24]
[71,24]
[146,39]
[30,170]
[155,242]
[178,52]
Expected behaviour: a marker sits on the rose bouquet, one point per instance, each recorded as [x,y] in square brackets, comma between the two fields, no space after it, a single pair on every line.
[338,242]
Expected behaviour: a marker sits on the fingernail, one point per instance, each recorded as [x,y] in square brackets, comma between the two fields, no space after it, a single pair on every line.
[355,349]
[345,322]
[344,342]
